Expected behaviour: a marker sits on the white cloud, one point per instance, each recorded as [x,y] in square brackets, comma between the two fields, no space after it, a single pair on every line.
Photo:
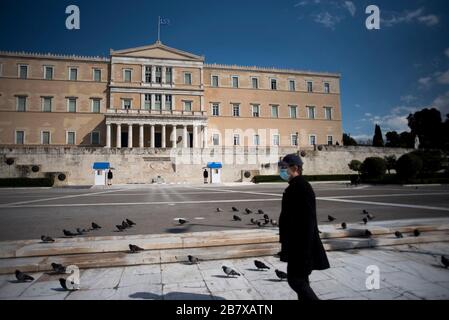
[407,16]
[350,6]
[328,20]
[424,81]
[442,103]
[443,78]
[408,98]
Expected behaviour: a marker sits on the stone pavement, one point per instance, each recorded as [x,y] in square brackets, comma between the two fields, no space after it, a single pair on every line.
[407,272]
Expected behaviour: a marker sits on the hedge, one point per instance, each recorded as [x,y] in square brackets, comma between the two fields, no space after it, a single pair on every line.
[332,177]
[26,182]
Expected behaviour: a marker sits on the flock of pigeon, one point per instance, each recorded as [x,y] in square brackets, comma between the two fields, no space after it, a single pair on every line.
[261,222]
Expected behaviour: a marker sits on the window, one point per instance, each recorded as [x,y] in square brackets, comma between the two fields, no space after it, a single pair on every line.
[276,140]
[236,140]
[22,103]
[48,72]
[23,71]
[46,104]
[235,81]
[256,110]
[71,137]
[256,140]
[147,102]
[158,74]
[97,75]
[311,112]
[236,110]
[187,78]
[158,102]
[215,109]
[312,139]
[187,105]
[274,112]
[45,137]
[95,137]
[330,140]
[96,105]
[216,139]
[214,81]
[274,84]
[127,75]
[71,105]
[328,113]
[309,86]
[293,112]
[20,137]
[294,139]
[291,85]
[148,74]
[327,87]
[255,83]
[168,102]
[168,75]
[126,104]
[73,74]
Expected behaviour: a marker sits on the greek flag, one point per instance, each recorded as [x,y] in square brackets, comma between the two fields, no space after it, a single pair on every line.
[164,21]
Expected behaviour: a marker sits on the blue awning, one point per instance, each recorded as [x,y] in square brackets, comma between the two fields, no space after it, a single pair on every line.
[214,165]
[101,165]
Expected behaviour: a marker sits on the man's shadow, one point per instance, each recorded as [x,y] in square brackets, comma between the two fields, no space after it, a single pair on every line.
[174,296]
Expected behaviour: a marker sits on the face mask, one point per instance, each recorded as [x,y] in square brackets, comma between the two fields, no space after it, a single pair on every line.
[283,173]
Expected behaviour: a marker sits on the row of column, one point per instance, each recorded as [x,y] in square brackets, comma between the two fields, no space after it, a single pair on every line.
[173,136]
[153,74]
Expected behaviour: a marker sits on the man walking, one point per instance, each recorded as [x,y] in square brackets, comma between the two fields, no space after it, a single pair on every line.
[110,176]
[298,229]
[205,175]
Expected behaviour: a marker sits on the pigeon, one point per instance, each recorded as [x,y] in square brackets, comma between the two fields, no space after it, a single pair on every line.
[23,277]
[237,218]
[260,265]
[235,209]
[134,249]
[80,231]
[58,268]
[248,211]
[445,261]
[182,221]
[260,224]
[230,271]
[274,223]
[416,233]
[370,216]
[368,233]
[253,221]
[398,234]
[343,225]
[330,218]
[120,227]
[193,260]
[68,233]
[266,217]
[47,239]
[365,212]
[260,211]
[125,225]
[130,223]
[281,275]
[219,210]
[95,226]
[365,220]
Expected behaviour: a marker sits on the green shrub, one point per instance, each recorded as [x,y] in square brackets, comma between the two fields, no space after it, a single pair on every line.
[374,168]
[26,182]
[355,165]
[277,178]
[432,160]
[408,166]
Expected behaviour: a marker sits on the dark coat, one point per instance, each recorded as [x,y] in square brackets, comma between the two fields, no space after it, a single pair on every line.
[205,174]
[110,175]
[298,229]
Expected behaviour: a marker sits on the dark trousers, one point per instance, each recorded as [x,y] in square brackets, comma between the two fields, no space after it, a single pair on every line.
[299,282]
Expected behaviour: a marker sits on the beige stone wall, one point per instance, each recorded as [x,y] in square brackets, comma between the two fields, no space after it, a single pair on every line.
[141,166]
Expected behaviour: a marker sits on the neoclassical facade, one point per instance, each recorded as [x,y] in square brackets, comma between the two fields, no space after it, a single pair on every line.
[160,97]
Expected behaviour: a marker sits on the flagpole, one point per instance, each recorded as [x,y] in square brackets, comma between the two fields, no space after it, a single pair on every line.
[159,29]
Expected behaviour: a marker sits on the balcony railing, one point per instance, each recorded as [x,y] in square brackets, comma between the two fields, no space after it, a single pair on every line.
[135,112]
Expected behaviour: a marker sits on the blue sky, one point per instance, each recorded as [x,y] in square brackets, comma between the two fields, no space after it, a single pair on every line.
[386,73]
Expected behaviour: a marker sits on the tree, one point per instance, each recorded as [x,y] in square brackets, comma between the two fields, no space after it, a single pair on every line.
[378,140]
[355,165]
[348,141]
[427,125]
[391,162]
[406,140]
[374,168]
[393,139]
[408,166]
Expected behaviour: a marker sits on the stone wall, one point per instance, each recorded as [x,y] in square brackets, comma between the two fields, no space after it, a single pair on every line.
[142,166]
